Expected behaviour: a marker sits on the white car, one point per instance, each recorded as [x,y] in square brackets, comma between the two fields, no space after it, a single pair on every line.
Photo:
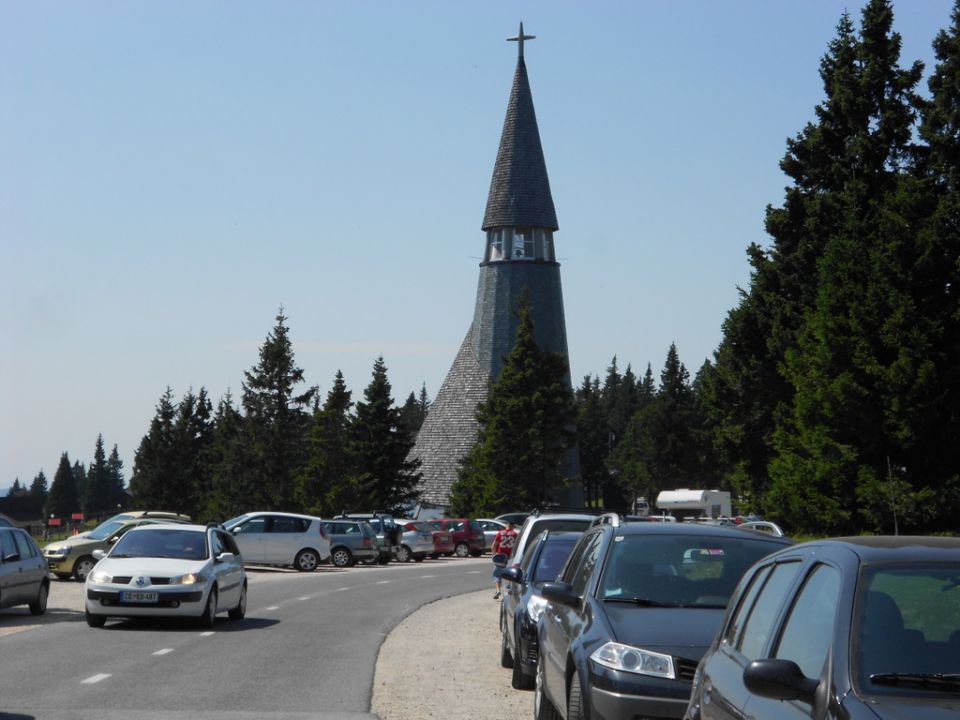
[174,570]
[490,530]
[278,538]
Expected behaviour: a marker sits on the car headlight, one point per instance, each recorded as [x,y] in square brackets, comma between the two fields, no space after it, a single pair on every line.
[98,576]
[54,552]
[628,658]
[188,579]
[535,608]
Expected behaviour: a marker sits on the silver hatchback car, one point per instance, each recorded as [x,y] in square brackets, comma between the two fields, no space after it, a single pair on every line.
[277,538]
[23,572]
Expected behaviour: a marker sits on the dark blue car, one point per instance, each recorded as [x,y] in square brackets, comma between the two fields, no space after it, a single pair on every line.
[634,609]
[864,628]
[523,604]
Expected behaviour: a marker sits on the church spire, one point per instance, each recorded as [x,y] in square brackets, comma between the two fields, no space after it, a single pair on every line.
[520,190]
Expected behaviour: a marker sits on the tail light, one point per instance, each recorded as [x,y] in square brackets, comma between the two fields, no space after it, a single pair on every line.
[366,542]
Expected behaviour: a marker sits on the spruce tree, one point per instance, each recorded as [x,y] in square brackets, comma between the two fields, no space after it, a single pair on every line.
[115,480]
[39,490]
[323,487]
[16,489]
[226,463]
[63,499]
[155,462]
[381,474]
[593,440]
[98,493]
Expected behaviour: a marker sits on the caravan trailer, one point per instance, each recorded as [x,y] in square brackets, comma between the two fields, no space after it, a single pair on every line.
[686,503]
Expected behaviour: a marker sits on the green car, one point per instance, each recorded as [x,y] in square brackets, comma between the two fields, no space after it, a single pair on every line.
[74,556]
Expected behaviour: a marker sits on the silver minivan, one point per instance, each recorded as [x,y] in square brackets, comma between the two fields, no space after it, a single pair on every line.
[277,538]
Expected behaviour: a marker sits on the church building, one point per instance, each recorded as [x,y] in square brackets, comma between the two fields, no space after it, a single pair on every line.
[519,256]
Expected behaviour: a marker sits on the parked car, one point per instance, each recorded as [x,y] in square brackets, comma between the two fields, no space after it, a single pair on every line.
[74,556]
[23,573]
[415,543]
[537,523]
[634,609]
[762,526]
[176,570]
[5,523]
[351,541]
[517,518]
[858,628]
[442,539]
[467,535]
[285,539]
[490,530]
[522,603]
[388,534]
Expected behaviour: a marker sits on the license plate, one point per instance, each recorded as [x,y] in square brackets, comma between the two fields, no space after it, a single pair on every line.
[138,596]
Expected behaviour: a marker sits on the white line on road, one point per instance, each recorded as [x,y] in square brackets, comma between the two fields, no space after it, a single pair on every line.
[303,597]
[95,678]
[383,582]
[208,633]
[473,572]
[164,651]
[342,589]
[424,577]
[272,607]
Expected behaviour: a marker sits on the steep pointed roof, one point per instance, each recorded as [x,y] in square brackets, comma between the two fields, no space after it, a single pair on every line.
[520,190]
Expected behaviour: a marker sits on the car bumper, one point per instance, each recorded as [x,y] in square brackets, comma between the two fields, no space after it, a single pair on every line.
[185,602]
[59,563]
[625,695]
[420,548]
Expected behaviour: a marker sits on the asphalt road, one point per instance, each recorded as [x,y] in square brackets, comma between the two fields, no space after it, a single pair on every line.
[306,649]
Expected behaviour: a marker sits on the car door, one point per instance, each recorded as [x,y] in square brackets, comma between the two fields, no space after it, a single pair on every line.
[228,567]
[561,624]
[32,567]
[9,569]
[250,538]
[745,637]
[284,539]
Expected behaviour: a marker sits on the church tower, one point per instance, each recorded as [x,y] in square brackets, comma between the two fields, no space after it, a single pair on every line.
[519,256]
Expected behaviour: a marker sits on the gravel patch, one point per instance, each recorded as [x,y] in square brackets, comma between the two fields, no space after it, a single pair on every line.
[444,660]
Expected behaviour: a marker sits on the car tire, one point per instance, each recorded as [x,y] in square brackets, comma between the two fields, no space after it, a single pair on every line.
[435,556]
[82,567]
[240,610]
[476,553]
[383,559]
[543,709]
[520,680]
[506,658]
[63,576]
[306,561]
[418,558]
[575,709]
[209,617]
[462,550]
[95,621]
[39,606]
[403,554]
[341,557]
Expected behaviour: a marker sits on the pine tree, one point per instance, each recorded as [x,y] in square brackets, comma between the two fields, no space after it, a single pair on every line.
[226,462]
[276,422]
[154,462]
[16,489]
[593,439]
[63,499]
[527,425]
[324,487]
[414,411]
[98,492]
[115,480]
[39,490]
[381,474]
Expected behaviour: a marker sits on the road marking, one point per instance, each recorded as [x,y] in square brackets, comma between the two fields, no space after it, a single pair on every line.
[342,589]
[473,572]
[95,678]
[272,607]
[208,633]
[424,577]
[303,597]
[164,651]
[383,582]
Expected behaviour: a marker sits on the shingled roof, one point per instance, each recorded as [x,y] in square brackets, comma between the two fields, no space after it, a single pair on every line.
[520,190]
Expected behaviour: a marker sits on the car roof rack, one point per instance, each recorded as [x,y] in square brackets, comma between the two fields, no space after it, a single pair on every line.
[538,511]
[609,518]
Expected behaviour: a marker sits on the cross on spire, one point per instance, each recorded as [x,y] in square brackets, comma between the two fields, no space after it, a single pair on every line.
[520,38]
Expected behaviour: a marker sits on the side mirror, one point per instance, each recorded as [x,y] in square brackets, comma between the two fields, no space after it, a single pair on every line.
[224,557]
[12,557]
[560,592]
[113,539]
[99,554]
[513,574]
[500,559]
[779,680]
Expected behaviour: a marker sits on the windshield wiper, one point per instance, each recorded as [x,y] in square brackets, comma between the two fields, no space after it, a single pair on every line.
[922,679]
[645,602]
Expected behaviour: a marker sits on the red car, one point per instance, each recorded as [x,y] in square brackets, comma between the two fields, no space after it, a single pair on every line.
[467,534]
[442,539]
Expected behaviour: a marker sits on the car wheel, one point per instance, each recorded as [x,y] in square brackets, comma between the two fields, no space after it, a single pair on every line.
[543,709]
[63,576]
[476,553]
[82,567]
[418,558]
[95,621]
[520,680]
[240,610]
[435,556]
[306,561]
[39,606]
[506,659]
[403,554]
[575,710]
[209,616]
[462,550]
[342,558]
[383,559]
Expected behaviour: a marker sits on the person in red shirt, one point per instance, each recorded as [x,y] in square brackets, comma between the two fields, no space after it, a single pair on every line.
[503,543]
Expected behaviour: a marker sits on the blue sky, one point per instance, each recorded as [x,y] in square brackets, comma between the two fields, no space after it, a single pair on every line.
[174,173]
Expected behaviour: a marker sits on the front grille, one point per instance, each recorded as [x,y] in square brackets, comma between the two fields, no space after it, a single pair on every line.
[686,669]
[125,580]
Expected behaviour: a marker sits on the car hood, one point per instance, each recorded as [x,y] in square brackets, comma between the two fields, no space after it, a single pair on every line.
[664,628]
[72,541]
[936,706]
[157,567]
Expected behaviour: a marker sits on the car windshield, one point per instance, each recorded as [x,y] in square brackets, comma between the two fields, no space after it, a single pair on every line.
[234,521]
[105,529]
[909,628]
[678,570]
[180,544]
